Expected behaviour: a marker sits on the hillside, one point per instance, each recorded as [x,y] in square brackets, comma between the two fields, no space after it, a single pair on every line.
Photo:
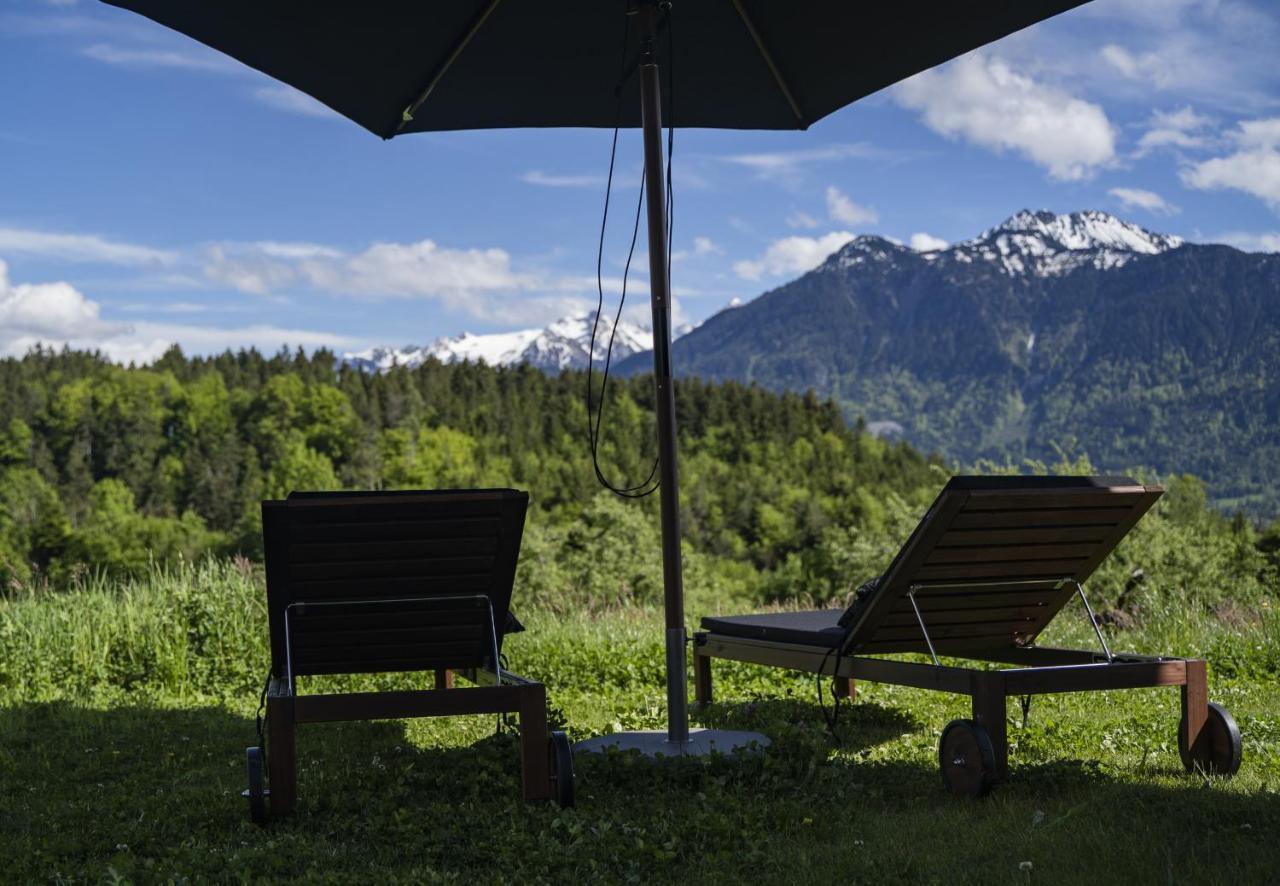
[1080,331]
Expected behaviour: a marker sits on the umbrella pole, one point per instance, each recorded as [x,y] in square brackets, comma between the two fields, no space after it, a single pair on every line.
[677,741]
[665,398]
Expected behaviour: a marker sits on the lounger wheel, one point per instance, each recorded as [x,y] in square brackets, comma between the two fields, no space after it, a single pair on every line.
[561,754]
[1221,751]
[967,759]
[256,793]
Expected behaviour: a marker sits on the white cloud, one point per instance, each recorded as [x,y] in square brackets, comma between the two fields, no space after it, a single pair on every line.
[1157,69]
[80,248]
[788,164]
[550,180]
[792,255]
[705,246]
[1178,129]
[922,242]
[127,57]
[983,100]
[58,314]
[286,98]
[1268,241]
[844,210]
[800,219]
[1138,198]
[1253,168]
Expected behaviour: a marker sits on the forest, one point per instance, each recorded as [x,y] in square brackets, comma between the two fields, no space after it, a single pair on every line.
[106,469]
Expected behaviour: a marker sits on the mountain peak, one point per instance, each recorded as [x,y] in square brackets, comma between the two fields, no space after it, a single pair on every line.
[1046,244]
[562,344]
[862,249]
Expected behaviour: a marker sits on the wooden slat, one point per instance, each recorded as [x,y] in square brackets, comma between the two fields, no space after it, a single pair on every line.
[315,621]
[973,615]
[356,652]
[940,632]
[947,598]
[1021,569]
[1025,519]
[388,666]
[407,703]
[437,567]
[1091,677]
[1039,500]
[341,589]
[958,538]
[1008,553]
[324,552]
[333,512]
[420,637]
[384,530]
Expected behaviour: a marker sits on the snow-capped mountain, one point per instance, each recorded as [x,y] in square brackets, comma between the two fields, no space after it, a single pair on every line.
[1039,244]
[561,345]
[1046,245]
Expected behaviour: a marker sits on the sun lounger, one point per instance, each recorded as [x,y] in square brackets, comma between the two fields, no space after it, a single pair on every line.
[991,563]
[373,582]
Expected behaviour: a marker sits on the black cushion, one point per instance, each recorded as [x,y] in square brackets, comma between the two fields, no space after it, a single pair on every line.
[972,482]
[814,627]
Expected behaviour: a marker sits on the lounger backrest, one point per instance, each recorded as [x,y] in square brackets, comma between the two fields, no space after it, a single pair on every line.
[981,536]
[369,558]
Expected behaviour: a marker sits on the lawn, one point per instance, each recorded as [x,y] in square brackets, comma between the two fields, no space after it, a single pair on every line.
[125,710]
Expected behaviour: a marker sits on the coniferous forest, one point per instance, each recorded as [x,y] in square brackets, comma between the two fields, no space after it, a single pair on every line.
[105,469]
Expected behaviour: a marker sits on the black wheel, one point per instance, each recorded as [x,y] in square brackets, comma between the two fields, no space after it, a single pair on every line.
[256,793]
[1221,749]
[967,759]
[561,754]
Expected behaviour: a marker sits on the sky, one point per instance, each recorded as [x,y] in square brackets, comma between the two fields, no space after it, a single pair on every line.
[154,191]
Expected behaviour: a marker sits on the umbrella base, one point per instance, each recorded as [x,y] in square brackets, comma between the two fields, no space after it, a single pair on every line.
[701,743]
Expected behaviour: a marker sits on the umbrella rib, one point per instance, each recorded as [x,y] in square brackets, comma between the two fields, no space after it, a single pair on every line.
[773,68]
[406,116]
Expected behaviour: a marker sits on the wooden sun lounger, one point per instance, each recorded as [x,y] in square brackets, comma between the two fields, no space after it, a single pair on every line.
[991,563]
[373,582]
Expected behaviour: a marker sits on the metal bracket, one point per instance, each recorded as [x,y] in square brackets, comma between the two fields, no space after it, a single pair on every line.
[911,595]
[1093,619]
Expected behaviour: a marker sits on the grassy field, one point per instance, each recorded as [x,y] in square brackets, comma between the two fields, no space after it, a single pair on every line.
[125,711]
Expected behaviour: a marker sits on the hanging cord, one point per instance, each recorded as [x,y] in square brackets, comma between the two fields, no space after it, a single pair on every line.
[1026,709]
[650,484]
[833,719]
[260,723]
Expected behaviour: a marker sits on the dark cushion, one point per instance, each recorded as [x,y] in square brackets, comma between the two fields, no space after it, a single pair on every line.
[814,627]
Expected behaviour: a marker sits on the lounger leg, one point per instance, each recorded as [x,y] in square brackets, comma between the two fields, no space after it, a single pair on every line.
[535,773]
[701,679]
[844,687]
[282,749]
[444,679]
[1195,707]
[990,712]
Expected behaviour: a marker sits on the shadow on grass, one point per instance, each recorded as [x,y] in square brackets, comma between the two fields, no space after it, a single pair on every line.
[153,793]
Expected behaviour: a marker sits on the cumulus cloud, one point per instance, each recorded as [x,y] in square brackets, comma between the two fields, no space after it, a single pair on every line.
[1138,198]
[1267,241]
[792,255]
[922,242]
[57,314]
[984,101]
[1182,128]
[844,210]
[80,248]
[1253,167]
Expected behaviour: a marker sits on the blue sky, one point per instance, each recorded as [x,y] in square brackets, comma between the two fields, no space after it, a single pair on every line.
[152,190]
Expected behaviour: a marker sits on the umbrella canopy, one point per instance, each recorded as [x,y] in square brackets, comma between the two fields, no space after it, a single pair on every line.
[397,67]
[739,64]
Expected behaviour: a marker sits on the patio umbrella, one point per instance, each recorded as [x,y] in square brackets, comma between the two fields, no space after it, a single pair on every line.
[401,67]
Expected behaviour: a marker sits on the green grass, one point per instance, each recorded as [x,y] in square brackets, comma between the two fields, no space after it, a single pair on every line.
[125,711]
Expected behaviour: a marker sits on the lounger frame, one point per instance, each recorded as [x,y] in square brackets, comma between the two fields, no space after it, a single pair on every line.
[1037,671]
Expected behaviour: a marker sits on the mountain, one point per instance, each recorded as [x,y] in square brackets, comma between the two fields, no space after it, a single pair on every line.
[562,345]
[1082,333]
